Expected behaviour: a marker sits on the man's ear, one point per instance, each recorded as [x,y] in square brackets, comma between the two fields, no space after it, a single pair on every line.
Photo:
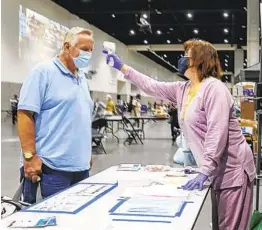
[66,47]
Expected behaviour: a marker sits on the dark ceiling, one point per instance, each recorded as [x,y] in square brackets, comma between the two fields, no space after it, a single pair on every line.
[214,21]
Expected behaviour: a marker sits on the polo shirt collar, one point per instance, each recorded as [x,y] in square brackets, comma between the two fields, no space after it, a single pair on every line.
[62,67]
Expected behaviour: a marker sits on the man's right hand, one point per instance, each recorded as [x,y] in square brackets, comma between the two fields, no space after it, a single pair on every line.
[33,168]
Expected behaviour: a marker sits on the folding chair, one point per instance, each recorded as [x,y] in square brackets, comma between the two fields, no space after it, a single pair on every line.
[98,128]
[132,132]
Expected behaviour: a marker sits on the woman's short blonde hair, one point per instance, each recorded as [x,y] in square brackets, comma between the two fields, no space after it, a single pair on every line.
[204,57]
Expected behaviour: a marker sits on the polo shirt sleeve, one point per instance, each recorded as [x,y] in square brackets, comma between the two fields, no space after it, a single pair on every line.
[32,94]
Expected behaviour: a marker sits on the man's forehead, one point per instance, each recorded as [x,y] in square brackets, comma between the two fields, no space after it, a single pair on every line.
[85,39]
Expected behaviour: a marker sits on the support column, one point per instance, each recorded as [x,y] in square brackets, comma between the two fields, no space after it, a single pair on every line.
[238,61]
[252,32]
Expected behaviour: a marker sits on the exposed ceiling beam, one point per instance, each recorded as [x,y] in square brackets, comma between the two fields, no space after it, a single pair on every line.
[178,47]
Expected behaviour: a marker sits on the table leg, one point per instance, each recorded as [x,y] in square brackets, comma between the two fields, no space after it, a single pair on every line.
[112,132]
[143,129]
[214,210]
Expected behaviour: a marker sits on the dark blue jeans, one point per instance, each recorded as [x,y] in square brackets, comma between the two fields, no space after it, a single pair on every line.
[52,181]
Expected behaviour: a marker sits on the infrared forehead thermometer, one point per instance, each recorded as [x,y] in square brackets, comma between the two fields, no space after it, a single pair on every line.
[110,47]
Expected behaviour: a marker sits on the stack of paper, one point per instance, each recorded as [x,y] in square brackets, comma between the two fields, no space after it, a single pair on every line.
[129,167]
[168,190]
[147,209]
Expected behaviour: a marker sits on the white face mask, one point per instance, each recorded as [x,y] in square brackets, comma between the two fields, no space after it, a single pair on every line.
[83,59]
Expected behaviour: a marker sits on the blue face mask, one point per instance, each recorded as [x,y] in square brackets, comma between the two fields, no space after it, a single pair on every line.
[183,65]
[83,59]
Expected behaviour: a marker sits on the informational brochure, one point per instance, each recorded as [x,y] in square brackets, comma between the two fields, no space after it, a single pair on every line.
[148,207]
[129,167]
[156,190]
[73,199]
[33,223]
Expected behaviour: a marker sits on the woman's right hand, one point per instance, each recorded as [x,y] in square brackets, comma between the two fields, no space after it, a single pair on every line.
[113,60]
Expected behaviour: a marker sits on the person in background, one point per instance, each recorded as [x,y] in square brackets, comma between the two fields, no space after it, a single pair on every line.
[149,106]
[137,108]
[208,121]
[165,108]
[14,102]
[174,125]
[155,104]
[110,106]
[54,119]
[130,104]
[96,105]
[159,110]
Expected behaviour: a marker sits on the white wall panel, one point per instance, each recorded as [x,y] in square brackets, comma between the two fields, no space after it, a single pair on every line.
[15,71]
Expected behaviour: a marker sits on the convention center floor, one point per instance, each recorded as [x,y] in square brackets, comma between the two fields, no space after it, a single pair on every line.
[157,149]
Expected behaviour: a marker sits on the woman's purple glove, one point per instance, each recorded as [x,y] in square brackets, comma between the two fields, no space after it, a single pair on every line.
[196,183]
[113,60]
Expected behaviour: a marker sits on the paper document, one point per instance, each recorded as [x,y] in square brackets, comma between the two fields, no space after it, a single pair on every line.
[150,206]
[33,223]
[72,199]
[156,191]
[129,167]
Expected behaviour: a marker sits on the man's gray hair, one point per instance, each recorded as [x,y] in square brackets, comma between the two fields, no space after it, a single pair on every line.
[71,35]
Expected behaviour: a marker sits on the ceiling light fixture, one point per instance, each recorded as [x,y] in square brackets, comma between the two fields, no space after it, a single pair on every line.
[157,11]
[158,32]
[227,56]
[225,40]
[132,32]
[195,31]
[226,30]
[145,41]
[226,64]
[144,15]
[189,15]
[226,60]
[113,16]
[168,41]
[171,29]
[225,14]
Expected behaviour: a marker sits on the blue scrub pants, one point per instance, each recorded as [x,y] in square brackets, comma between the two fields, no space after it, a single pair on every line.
[52,181]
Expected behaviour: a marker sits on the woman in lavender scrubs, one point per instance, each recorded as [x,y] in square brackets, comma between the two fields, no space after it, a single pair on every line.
[207,118]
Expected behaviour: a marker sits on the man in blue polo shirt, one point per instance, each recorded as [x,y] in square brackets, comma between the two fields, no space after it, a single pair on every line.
[54,119]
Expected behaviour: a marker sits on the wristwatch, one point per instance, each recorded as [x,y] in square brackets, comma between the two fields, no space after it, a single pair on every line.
[28,156]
